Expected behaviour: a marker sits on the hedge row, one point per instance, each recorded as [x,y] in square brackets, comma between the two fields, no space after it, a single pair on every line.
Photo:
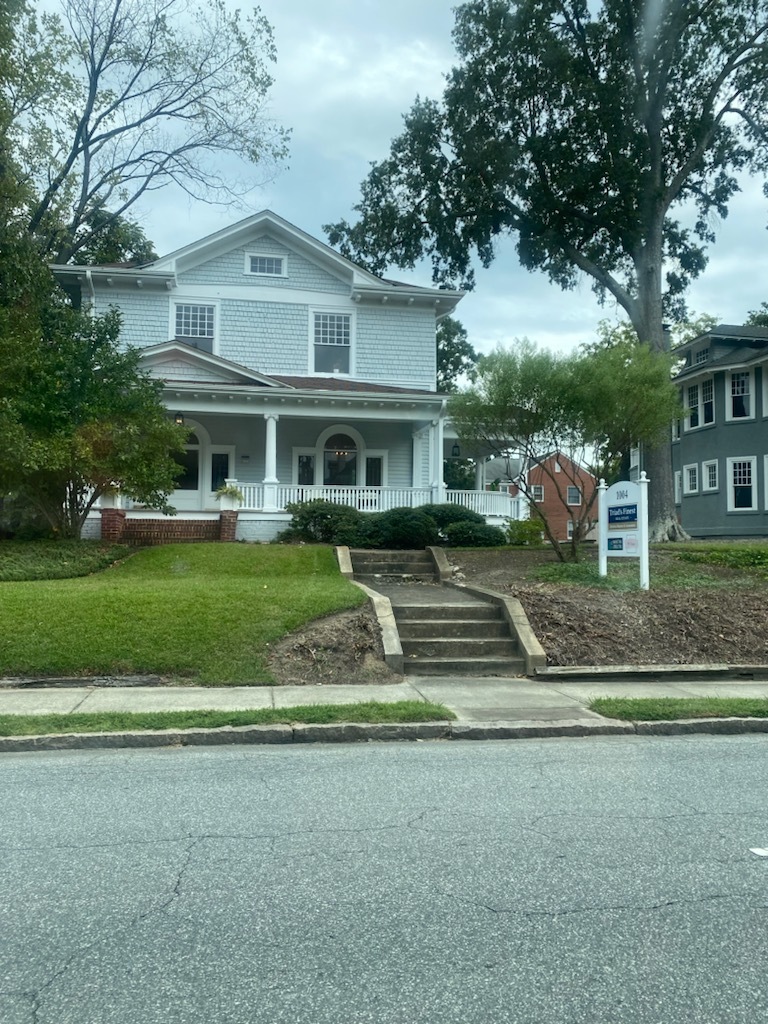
[398,528]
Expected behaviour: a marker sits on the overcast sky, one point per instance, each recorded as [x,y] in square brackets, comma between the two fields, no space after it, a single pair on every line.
[347,71]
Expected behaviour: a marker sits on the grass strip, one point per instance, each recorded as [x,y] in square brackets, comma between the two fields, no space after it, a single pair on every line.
[315,714]
[664,709]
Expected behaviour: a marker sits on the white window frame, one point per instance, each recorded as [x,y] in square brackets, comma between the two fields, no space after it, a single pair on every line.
[702,356]
[331,311]
[691,468]
[691,408]
[730,418]
[570,529]
[702,421]
[730,463]
[176,301]
[537,492]
[265,256]
[678,487]
[569,488]
[363,453]
[705,484]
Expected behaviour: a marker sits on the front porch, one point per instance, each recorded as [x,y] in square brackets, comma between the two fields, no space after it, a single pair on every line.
[494,505]
[262,514]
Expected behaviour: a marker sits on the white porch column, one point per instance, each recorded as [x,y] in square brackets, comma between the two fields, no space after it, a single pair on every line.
[270,463]
[479,474]
[437,438]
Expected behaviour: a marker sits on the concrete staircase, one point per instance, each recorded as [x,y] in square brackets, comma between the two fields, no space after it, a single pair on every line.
[441,639]
[443,631]
[372,567]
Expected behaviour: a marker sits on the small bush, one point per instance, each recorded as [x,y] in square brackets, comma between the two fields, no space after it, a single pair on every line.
[400,528]
[523,531]
[323,522]
[448,513]
[474,535]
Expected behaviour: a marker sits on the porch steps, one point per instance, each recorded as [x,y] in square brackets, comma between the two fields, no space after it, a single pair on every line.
[393,566]
[456,640]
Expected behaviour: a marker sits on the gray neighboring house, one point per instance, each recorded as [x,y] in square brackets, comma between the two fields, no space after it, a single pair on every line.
[720,447]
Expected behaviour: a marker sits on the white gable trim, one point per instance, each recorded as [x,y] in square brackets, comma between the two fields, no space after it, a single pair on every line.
[224,369]
[245,233]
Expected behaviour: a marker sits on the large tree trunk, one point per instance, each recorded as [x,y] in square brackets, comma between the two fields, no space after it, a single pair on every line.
[648,320]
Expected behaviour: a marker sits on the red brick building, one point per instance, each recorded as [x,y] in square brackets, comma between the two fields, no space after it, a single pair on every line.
[562,490]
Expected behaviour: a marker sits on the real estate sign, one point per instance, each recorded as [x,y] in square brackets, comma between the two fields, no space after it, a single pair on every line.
[623,524]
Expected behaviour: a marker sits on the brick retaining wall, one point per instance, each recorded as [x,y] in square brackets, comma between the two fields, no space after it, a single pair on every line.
[117,528]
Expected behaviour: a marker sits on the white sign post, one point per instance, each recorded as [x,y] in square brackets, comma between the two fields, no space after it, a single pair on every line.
[623,524]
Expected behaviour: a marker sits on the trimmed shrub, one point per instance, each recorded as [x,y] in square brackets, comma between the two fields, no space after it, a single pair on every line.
[324,522]
[400,528]
[524,531]
[449,512]
[474,535]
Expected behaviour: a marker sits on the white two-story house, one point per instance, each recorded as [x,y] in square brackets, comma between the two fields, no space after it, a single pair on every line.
[299,374]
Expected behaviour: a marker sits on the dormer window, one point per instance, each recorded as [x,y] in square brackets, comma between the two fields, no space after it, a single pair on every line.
[701,356]
[265,266]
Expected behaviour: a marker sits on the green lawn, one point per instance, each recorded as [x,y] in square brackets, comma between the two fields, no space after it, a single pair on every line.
[201,611]
[661,709]
[370,711]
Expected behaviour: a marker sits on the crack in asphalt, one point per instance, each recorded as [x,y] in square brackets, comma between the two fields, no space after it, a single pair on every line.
[600,908]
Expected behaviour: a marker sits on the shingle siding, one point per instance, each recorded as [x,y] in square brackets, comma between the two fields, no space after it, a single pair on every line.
[272,337]
[396,346]
[229,269]
[145,315]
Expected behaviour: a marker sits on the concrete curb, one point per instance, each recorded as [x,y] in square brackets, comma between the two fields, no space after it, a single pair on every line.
[357,732]
[665,673]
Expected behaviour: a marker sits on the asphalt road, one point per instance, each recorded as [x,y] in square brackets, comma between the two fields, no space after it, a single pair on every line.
[562,881]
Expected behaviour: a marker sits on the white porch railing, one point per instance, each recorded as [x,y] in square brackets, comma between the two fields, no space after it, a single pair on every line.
[378,499]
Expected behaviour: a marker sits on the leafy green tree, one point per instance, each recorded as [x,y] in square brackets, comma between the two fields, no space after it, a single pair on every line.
[79,418]
[109,100]
[580,129]
[587,406]
[455,355]
[758,317]
[113,239]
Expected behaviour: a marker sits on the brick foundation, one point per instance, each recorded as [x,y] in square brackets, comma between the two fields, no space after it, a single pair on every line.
[117,528]
[228,526]
[112,525]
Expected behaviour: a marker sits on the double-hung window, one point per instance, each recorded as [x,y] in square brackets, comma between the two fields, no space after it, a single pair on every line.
[332,341]
[537,492]
[691,479]
[573,496]
[742,485]
[701,404]
[709,476]
[195,324]
[740,397]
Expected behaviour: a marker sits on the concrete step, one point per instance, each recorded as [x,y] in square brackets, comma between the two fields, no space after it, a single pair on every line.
[361,557]
[459,647]
[392,568]
[447,612]
[464,666]
[471,628]
[394,577]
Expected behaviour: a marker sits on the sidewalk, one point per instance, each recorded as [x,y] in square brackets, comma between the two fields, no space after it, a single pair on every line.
[489,708]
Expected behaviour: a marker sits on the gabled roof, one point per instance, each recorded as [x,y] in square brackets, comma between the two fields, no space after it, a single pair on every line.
[179,362]
[728,332]
[162,273]
[743,346]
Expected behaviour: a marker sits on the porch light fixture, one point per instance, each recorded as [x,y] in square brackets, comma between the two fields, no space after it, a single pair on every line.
[456,451]
[178,419]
